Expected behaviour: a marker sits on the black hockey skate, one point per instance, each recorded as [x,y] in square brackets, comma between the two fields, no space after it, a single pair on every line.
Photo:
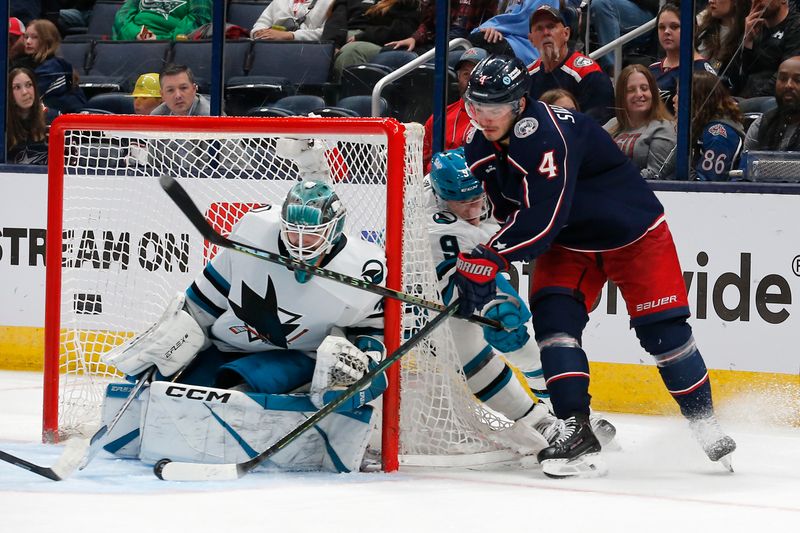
[574,453]
[717,445]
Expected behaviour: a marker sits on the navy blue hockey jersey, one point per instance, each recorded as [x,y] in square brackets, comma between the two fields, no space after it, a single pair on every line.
[561,180]
[718,150]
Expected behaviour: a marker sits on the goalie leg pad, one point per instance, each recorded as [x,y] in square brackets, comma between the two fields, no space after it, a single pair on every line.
[124,438]
[272,372]
[208,425]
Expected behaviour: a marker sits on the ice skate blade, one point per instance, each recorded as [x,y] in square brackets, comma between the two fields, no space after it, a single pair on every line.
[726,462]
[586,466]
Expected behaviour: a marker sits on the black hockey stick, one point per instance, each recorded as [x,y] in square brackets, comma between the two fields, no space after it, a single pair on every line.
[178,471]
[185,204]
[79,452]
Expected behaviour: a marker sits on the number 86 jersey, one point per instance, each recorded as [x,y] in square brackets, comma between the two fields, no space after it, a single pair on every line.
[561,179]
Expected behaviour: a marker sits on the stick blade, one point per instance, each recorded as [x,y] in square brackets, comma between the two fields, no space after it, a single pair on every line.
[177,471]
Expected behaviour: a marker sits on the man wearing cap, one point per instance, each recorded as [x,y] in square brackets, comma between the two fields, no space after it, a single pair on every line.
[16,44]
[559,67]
[456,119]
[146,94]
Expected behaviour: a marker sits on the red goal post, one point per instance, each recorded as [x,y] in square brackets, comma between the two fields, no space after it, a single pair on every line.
[118,249]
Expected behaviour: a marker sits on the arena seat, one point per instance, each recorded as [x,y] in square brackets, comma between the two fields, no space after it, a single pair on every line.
[300,104]
[245,14]
[101,22]
[117,103]
[77,53]
[197,56]
[116,64]
[334,111]
[362,105]
[361,79]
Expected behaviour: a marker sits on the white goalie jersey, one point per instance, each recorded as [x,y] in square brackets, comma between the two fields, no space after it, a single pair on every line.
[246,304]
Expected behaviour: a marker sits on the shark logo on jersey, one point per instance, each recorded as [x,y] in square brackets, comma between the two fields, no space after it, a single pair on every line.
[525,127]
[444,217]
[262,317]
[372,271]
[162,7]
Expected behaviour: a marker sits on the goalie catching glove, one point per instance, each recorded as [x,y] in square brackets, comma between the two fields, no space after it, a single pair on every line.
[510,310]
[170,344]
[340,364]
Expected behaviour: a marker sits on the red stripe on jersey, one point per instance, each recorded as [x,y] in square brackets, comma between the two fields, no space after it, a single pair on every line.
[692,388]
[582,65]
[567,375]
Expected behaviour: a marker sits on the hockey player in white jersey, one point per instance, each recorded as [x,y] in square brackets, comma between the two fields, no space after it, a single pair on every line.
[459,220]
[250,332]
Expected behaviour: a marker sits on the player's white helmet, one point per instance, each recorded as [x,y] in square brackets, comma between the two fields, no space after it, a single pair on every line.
[312,220]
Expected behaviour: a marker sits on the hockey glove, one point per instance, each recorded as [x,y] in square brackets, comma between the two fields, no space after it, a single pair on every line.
[510,310]
[340,364]
[475,278]
[170,344]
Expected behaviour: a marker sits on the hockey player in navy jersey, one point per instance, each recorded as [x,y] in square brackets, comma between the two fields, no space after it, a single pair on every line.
[458,221]
[565,195]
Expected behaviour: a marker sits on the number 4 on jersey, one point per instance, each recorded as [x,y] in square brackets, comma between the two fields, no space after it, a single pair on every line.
[547,166]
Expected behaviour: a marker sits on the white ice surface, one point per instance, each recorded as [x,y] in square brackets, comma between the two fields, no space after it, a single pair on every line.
[659,482]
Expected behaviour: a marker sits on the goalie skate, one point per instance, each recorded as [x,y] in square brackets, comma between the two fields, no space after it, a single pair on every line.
[575,453]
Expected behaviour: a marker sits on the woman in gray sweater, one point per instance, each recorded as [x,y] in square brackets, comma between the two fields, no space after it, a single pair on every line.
[643,128]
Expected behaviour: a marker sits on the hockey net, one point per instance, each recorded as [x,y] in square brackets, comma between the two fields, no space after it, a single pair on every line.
[119,250]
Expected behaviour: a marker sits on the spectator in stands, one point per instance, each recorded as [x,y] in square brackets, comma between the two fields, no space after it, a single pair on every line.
[561,67]
[385,21]
[560,98]
[55,77]
[779,129]
[16,39]
[146,94]
[720,32]
[507,32]
[26,133]
[292,20]
[457,123]
[668,23]
[717,136]
[613,18]
[771,35]
[465,15]
[160,19]
[179,92]
[643,128]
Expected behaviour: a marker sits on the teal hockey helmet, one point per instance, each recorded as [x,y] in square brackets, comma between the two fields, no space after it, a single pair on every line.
[451,178]
[312,220]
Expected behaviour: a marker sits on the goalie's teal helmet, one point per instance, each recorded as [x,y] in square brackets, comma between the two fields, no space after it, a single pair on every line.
[451,178]
[312,220]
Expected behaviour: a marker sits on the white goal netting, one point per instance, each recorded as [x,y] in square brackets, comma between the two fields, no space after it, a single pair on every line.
[127,249]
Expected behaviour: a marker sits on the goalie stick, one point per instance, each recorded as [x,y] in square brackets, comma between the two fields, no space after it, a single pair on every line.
[179,471]
[185,203]
[79,452]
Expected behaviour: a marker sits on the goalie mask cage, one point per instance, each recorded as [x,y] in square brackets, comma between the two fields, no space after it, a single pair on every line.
[118,250]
